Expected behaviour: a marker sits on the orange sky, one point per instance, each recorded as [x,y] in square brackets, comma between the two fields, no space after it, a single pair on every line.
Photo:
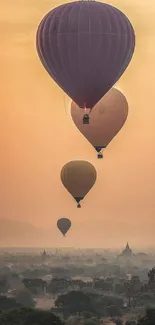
[37,137]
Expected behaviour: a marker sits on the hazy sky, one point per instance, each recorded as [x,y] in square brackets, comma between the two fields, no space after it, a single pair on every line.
[37,137]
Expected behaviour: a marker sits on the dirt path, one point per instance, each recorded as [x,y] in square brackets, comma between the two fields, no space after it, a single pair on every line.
[44,302]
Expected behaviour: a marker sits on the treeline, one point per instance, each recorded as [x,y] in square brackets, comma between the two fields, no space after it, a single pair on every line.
[91,300]
[70,271]
[137,292]
[31,316]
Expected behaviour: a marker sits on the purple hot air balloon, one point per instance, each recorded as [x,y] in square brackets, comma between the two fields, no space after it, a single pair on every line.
[85,46]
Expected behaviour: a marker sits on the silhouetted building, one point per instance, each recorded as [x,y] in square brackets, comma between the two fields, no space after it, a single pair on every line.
[44,256]
[127,252]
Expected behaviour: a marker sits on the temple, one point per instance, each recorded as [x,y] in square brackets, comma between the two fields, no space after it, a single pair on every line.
[44,256]
[127,252]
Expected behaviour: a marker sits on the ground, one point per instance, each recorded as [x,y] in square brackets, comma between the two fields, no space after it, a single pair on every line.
[45,302]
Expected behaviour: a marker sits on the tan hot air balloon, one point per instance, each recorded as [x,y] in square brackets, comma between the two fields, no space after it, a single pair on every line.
[106,119]
[78,177]
[64,225]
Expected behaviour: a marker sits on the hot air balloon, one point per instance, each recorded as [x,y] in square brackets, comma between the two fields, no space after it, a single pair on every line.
[85,46]
[78,177]
[107,118]
[64,225]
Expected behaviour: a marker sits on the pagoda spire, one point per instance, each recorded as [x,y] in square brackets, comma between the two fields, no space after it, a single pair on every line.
[44,255]
[127,251]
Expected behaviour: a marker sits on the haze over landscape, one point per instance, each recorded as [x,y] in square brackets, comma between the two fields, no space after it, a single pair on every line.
[37,137]
[59,264]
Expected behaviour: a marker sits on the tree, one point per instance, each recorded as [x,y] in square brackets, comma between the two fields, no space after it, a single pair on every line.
[14,281]
[103,285]
[135,285]
[149,318]
[4,285]
[29,316]
[75,301]
[151,279]
[73,320]
[36,286]
[132,288]
[146,298]
[101,302]
[8,303]
[5,271]
[58,285]
[119,288]
[24,298]
[113,311]
[90,322]
[94,303]
[79,284]
[62,285]
[128,291]
[87,314]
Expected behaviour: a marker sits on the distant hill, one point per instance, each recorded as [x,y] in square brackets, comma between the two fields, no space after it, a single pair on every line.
[14,233]
[112,234]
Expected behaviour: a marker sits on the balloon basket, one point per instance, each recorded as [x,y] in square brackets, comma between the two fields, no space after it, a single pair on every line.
[78,206]
[100,156]
[86,119]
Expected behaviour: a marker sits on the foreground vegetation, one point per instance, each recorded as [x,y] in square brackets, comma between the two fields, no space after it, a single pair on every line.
[32,316]
[101,300]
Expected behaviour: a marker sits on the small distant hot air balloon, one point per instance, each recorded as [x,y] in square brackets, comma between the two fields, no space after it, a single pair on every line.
[85,46]
[78,177]
[64,225]
[107,118]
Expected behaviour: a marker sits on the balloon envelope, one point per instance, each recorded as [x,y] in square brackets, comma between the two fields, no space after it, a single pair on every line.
[64,225]
[78,177]
[85,46]
[106,119]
